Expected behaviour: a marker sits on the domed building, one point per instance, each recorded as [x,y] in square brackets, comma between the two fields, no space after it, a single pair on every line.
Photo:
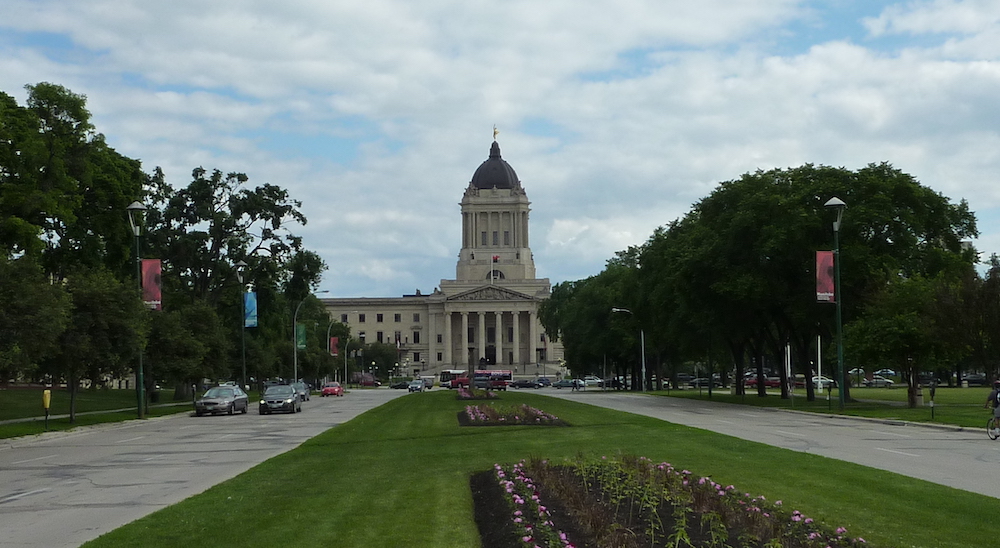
[488,314]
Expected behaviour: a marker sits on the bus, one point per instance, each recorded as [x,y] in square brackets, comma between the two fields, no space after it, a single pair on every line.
[447,376]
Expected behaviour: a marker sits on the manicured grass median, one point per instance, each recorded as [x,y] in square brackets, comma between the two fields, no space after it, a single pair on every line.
[398,476]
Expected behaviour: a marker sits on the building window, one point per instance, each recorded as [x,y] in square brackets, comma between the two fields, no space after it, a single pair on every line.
[496,238]
[510,334]
[378,318]
[416,317]
[343,318]
[506,237]
[378,336]
[399,337]
[361,318]
[361,335]
[440,357]
[416,357]
[397,318]
[484,237]
[416,337]
[440,340]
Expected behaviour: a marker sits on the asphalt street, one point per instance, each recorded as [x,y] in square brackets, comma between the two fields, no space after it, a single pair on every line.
[62,489]
[961,458]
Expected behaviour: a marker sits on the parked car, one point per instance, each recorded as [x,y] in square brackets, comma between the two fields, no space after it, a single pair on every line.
[593,380]
[544,381]
[823,383]
[568,383]
[302,389]
[332,389]
[769,382]
[703,382]
[280,398]
[975,379]
[525,383]
[222,399]
[400,385]
[886,372]
[370,382]
[878,381]
[416,385]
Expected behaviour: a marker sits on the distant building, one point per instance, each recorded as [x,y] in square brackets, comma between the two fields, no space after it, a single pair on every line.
[489,313]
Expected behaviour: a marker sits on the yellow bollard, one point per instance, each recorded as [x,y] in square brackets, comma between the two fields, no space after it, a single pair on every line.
[46,401]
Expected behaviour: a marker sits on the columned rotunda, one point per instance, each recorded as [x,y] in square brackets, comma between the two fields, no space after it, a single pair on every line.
[488,314]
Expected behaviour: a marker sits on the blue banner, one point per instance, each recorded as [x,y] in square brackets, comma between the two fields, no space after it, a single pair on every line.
[250,309]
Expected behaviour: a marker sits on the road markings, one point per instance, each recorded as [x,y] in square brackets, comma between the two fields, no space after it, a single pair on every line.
[130,439]
[12,498]
[39,458]
[790,433]
[896,452]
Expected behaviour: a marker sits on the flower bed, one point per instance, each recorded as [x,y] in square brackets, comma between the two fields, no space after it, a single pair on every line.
[632,502]
[487,415]
[475,394]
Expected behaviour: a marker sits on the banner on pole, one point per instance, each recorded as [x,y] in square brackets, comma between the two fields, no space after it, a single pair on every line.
[151,270]
[824,277]
[300,336]
[250,309]
[333,346]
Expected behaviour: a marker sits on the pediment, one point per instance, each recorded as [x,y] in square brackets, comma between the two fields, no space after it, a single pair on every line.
[491,293]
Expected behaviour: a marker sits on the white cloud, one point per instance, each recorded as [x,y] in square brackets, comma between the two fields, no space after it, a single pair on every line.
[616,115]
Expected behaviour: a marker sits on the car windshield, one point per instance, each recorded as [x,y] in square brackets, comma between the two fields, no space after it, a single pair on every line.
[332,384]
[219,393]
[278,390]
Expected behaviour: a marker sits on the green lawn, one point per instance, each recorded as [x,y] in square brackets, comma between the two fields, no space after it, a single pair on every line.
[398,476]
[955,406]
[24,403]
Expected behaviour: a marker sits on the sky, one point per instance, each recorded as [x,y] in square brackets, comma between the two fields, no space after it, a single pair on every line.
[617,115]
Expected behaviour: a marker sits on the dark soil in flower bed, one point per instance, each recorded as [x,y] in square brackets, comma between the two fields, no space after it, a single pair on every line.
[463,420]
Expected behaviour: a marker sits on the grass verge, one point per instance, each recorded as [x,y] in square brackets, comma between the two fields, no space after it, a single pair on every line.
[399,475]
[954,406]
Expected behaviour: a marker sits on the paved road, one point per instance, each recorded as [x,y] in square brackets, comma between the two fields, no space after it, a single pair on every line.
[961,458]
[65,488]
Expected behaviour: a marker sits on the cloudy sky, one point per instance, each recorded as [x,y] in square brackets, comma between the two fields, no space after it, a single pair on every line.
[617,115]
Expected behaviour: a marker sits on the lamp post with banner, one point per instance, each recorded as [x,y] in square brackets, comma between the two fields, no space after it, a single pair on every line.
[135,211]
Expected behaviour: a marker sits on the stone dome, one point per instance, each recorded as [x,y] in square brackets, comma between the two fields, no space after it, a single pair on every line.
[495,172]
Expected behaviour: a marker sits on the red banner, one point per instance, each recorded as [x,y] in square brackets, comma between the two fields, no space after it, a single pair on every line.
[333,346]
[151,283]
[824,277]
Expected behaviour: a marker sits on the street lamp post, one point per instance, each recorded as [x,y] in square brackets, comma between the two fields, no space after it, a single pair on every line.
[295,342]
[642,344]
[839,205]
[135,211]
[240,266]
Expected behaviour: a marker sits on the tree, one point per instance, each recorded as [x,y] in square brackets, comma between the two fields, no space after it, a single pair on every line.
[33,314]
[108,324]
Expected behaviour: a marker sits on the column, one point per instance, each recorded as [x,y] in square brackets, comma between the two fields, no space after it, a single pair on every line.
[447,339]
[532,338]
[498,331]
[481,335]
[431,339]
[464,337]
[516,324]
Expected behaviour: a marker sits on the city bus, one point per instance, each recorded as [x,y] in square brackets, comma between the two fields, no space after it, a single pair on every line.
[447,376]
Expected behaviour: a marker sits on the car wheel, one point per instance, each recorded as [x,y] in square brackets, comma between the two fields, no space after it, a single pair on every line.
[232,408]
[246,408]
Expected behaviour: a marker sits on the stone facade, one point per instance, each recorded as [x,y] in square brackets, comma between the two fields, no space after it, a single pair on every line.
[489,312]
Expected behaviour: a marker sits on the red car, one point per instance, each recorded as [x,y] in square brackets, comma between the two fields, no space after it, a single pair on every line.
[332,389]
[769,382]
